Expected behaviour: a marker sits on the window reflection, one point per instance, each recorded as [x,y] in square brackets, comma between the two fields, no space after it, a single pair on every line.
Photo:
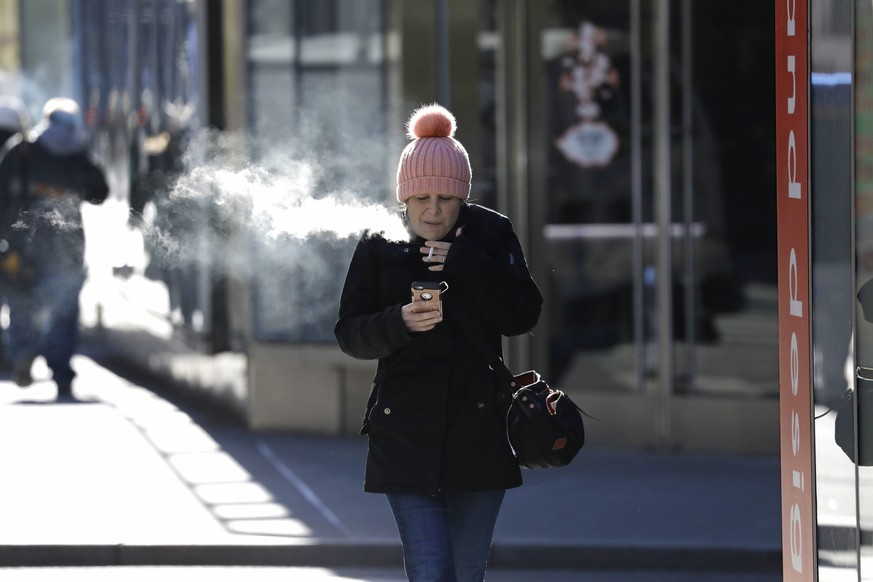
[832,300]
[318,78]
[601,229]
[863,159]
[590,227]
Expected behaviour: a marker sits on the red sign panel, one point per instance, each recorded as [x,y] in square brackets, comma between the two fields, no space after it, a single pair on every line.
[792,190]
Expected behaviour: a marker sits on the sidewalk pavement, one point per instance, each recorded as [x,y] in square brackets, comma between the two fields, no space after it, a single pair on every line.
[129,476]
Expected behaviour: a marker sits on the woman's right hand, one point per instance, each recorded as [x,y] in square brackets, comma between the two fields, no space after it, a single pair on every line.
[418,316]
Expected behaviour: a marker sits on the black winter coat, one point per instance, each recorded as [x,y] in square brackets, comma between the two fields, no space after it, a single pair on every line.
[41,193]
[436,417]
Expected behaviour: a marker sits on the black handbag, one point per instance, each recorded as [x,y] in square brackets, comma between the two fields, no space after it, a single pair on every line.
[544,426]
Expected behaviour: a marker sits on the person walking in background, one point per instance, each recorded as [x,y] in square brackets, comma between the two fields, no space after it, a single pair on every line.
[14,122]
[43,180]
[435,418]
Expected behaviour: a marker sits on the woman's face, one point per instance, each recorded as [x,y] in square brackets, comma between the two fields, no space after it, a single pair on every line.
[431,216]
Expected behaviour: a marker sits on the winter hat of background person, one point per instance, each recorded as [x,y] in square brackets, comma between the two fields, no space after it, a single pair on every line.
[14,116]
[62,129]
[434,162]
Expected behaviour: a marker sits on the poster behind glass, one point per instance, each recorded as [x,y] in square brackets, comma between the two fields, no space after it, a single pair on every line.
[601,226]
[586,53]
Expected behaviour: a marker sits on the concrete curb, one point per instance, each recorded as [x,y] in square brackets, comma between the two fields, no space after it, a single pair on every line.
[336,554]
[339,554]
[636,557]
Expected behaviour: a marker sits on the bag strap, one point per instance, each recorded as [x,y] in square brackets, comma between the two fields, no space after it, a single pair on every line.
[494,361]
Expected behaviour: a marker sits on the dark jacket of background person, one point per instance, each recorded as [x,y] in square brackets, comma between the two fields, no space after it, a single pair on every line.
[435,418]
[41,191]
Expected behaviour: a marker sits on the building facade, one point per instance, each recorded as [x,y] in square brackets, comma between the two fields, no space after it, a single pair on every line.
[631,144]
[637,146]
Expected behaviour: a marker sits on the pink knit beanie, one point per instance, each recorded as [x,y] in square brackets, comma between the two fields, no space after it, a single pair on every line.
[434,162]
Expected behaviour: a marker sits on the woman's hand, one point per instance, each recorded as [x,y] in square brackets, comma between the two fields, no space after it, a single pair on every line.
[435,251]
[420,316]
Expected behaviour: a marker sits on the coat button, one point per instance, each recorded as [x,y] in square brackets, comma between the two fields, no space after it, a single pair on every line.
[387,411]
[406,250]
[481,405]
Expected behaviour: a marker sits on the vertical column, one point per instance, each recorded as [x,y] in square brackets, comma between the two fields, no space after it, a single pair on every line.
[664,219]
[230,67]
[519,26]
[792,190]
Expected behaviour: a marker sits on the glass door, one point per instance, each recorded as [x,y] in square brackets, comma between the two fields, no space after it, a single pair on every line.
[833,358]
[596,212]
[652,215]
[862,404]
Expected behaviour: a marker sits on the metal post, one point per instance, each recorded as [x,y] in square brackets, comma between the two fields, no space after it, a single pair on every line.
[689,276]
[441,17]
[663,217]
[513,138]
[637,194]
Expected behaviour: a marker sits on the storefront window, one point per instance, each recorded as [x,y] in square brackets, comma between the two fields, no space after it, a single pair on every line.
[318,82]
[601,225]
[863,173]
[830,91]
[590,230]
[138,83]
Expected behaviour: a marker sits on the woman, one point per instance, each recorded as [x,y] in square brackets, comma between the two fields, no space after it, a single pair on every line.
[435,418]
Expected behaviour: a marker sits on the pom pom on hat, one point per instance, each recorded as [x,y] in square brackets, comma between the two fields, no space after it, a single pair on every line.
[434,162]
[431,121]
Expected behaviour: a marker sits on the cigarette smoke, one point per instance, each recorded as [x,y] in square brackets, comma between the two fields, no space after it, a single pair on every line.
[277,199]
[286,223]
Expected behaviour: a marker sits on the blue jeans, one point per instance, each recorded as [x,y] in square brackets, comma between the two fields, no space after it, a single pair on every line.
[446,538]
[44,320]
